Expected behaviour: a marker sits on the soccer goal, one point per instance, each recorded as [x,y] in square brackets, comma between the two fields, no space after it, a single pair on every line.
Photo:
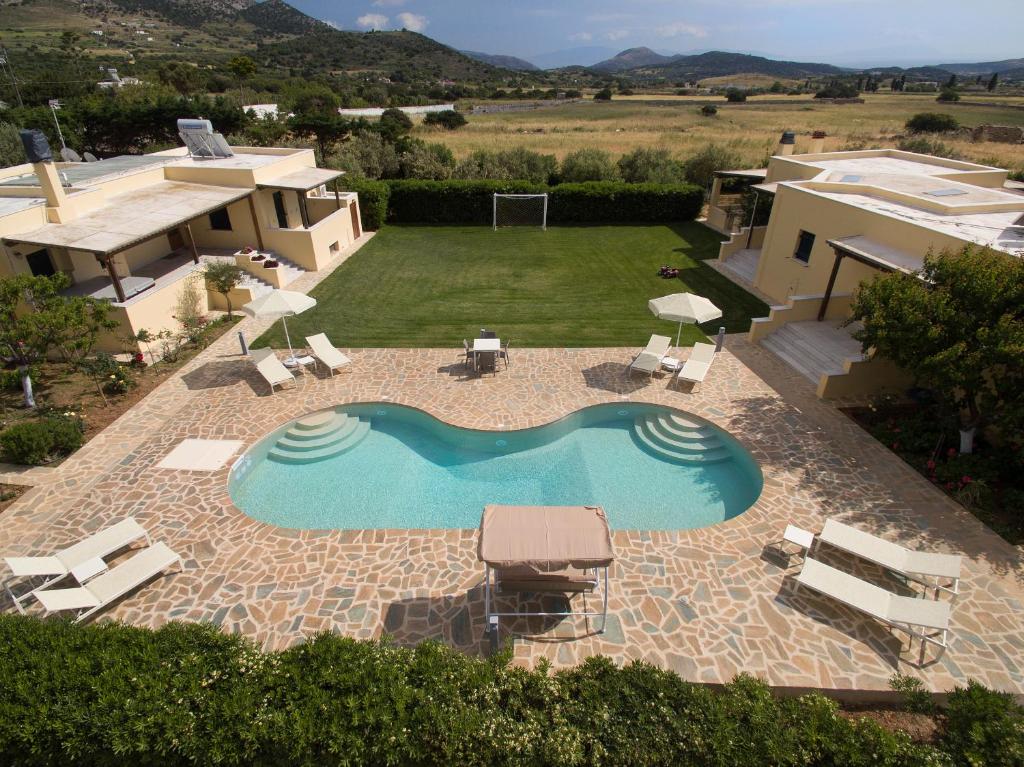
[521,210]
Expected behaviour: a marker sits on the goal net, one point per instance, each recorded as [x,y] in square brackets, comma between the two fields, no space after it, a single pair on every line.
[520,210]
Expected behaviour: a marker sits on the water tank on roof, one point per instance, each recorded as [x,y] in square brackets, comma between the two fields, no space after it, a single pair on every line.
[788,137]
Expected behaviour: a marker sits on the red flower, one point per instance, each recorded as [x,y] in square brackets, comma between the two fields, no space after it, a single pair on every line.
[966,480]
[930,464]
[140,357]
[949,485]
[952,452]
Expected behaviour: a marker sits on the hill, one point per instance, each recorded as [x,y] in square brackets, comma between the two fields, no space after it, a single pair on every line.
[278,36]
[632,58]
[645,62]
[505,62]
[984,67]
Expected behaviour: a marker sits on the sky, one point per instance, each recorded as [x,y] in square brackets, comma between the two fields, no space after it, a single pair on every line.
[844,32]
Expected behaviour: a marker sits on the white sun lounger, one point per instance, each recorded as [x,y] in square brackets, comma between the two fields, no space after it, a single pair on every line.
[909,614]
[939,571]
[271,368]
[649,360]
[96,546]
[111,585]
[696,368]
[326,352]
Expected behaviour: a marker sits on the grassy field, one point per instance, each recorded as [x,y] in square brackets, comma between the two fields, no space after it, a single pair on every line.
[752,130]
[421,286]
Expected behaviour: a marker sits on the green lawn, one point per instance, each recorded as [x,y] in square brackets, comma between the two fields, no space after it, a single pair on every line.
[432,286]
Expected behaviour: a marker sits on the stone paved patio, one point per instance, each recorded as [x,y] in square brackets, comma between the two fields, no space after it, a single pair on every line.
[707,603]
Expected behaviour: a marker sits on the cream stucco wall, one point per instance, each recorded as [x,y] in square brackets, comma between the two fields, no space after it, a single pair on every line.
[780,275]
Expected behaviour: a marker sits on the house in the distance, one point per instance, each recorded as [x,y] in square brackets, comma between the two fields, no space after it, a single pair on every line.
[840,218]
[134,229]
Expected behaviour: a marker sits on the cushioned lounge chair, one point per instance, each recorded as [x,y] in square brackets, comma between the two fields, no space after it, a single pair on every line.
[104,589]
[910,614]
[97,546]
[938,571]
[271,368]
[696,368]
[649,360]
[326,352]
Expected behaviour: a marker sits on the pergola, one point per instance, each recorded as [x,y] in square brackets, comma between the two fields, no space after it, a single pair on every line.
[134,217]
[871,253]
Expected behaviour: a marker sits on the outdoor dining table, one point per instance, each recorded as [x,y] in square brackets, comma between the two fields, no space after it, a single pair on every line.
[486,349]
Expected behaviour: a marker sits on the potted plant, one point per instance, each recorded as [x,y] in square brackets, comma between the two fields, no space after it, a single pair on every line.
[247,250]
[270,264]
[257,257]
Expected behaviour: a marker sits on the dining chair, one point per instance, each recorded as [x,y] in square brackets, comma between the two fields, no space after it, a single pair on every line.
[504,351]
[469,354]
[484,333]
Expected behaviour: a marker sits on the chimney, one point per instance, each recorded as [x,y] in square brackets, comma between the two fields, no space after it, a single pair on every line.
[787,143]
[37,150]
[818,142]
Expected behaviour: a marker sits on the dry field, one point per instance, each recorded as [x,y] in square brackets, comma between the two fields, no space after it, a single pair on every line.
[751,130]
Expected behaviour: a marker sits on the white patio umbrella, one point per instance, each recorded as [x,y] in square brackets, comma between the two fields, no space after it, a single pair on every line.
[684,307]
[281,303]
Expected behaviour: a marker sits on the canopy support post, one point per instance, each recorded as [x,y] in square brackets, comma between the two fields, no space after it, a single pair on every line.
[118,287]
[831,285]
[255,223]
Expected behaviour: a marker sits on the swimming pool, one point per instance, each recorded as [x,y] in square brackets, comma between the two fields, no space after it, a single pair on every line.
[381,465]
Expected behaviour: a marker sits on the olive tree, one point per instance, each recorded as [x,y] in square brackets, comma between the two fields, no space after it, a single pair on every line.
[35,317]
[958,328]
[223,277]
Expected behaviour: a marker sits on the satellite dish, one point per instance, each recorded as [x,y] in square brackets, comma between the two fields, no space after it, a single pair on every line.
[69,155]
[89,157]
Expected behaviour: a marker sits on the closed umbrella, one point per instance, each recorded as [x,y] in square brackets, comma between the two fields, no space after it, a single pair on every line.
[281,303]
[684,307]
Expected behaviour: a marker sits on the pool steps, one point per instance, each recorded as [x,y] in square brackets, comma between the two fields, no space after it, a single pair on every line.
[680,439]
[319,436]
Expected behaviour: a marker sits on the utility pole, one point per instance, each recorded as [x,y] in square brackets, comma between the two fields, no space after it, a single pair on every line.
[5,62]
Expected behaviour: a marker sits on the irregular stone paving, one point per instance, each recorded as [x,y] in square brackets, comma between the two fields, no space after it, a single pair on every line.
[707,603]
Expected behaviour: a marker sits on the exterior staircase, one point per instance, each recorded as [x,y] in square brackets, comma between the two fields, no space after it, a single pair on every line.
[318,437]
[680,439]
[288,270]
[743,264]
[254,285]
[814,348]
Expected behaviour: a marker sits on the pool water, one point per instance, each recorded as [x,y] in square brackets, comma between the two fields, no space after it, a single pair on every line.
[406,469]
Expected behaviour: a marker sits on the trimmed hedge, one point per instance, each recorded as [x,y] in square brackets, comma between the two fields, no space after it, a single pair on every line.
[33,443]
[190,694]
[415,201]
[373,201]
[471,202]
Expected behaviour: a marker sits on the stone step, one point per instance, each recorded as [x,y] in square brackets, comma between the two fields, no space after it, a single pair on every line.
[650,427]
[682,433]
[313,456]
[715,455]
[317,420]
[305,441]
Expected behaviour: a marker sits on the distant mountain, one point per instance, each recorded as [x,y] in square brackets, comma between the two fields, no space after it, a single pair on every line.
[505,62]
[208,32]
[984,68]
[644,61]
[632,58]
[583,56]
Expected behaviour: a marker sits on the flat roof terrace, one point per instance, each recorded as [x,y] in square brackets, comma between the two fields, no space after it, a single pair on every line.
[88,173]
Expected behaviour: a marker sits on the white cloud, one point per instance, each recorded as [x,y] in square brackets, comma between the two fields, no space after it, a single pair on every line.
[372,21]
[680,28]
[616,34]
[413,22]
[386,3]
[330,23]
[581,36]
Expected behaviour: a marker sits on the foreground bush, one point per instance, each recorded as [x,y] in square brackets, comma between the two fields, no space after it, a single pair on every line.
[471,202]
[37,442]
[188,694]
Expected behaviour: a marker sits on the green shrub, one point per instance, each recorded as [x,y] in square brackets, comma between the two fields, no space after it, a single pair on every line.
[735,96]
[471,202]
[448,119]
[655,166]
[984,728]
[190,694]
[709,110]
[588,165]
[700,168]
[605,94]
[922,145]
[932,122]
[37,442]
[614,202]
[948,94]
[373,201]
[916,697]
[415,201]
